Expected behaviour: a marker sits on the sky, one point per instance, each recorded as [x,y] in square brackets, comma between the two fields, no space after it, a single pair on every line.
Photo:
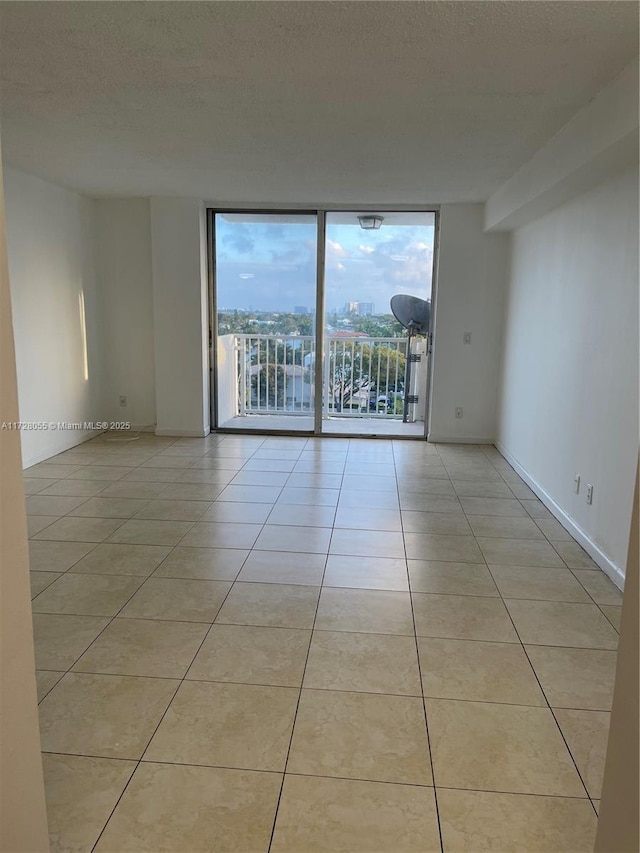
[271,265]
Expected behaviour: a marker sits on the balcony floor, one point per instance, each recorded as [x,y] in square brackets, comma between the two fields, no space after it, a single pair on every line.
[331,426]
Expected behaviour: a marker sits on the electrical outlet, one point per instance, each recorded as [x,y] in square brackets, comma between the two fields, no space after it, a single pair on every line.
[467,338]
[589,493]
[459,411]
[576,484]
[123,400]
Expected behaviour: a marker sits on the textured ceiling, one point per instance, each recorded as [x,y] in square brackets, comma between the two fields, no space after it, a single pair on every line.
[299,102]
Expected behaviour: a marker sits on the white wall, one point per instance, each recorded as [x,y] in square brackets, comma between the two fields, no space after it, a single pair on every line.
[569,385]
[178,238]
[470,290]
[123,258]
[55,312]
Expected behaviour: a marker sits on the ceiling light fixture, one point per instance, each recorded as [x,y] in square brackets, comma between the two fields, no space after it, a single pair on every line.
[371,223]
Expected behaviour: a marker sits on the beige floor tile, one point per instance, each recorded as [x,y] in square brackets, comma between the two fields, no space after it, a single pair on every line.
[237,513]
[554,623]
[315,481]
[361,736]
[131,490]
[313,497]
[111,559]
[493,506]
[185,491]
[75,488]
[260,478]
[51,505]
[209,476]
[447,523]
[575,678]
[81,793]
[376,500]
[61,639]
[365,483]
[143,647]
[79,529]
[462,617]
[49,470]
[56,556]
[38,523]
[101,472]
[367,610]
[46,680]
[86,595]
[371,663]
[41,580]
[414,501]
[283,567]
[173,808]
[478,671]
[368,518]
[109,507]
[179,599]
[259,463]
[367,543]
[244,726]
[519,552]
[574,556]
[270,605]
[366,573]
[491,747]
[214,564]
[222,535]
[250,655]
[153,475]
[347,816]
[139,532]
[279,537]
[481,489]
[251,494]
[35,485]
[486,822]
[586,733]
[538,583]
[174,510]
[613,613]
[501,526]
[451,578]
[423,485]
[109,716]
[599,587]
[553,530]
[433,546]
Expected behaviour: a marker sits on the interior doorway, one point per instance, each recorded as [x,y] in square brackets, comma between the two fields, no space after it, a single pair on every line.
[304,339]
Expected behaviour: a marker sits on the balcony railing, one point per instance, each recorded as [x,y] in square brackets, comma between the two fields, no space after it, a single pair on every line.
[274,374]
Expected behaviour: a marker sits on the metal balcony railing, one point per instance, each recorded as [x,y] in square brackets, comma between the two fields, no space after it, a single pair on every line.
[274,374]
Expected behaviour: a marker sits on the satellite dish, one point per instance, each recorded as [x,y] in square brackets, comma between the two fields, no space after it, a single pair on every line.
[411,312]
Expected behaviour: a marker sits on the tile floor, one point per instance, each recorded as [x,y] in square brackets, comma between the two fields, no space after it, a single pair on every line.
[296,645]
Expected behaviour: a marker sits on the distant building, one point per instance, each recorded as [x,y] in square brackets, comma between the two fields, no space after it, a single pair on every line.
[301,309]
[360,309]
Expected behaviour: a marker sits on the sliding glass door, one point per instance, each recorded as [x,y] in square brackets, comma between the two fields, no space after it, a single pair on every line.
[375,377]
[367,373]
[265,302]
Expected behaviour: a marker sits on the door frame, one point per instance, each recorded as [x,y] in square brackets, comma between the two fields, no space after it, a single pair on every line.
[321,216]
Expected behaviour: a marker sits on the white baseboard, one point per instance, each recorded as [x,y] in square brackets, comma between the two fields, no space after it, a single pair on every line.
[184,433]
[436,438]
[614,572]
